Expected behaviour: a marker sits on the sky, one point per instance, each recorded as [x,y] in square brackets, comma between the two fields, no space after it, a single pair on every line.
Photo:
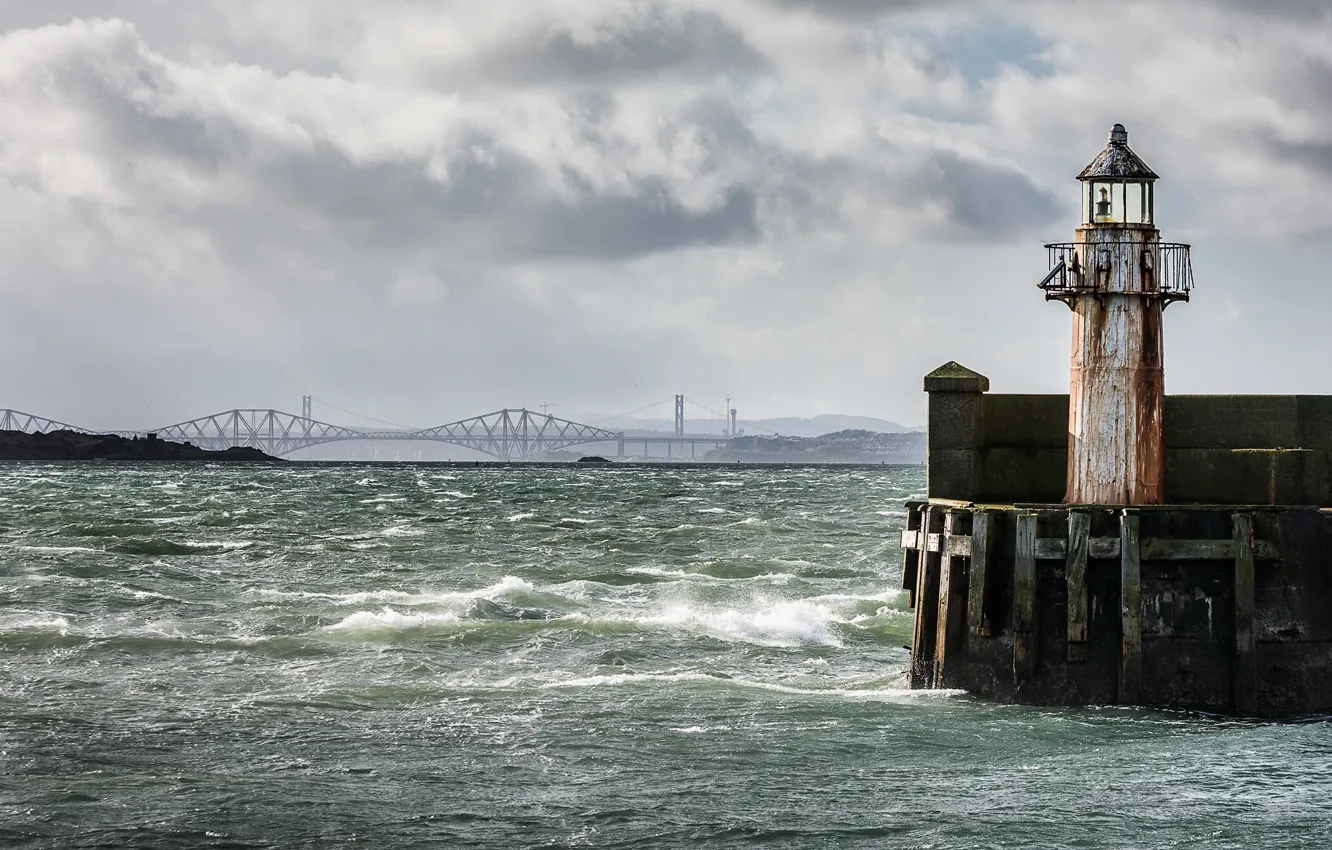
[427,209]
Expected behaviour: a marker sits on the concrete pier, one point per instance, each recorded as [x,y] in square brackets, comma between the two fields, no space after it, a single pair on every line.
[1220,600]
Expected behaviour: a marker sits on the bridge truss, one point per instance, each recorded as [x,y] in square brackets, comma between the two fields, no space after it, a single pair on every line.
[510,434]
[28,423]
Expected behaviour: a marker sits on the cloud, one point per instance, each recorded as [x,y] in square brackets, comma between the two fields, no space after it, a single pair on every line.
[424,210]
[862,8]
[656,41]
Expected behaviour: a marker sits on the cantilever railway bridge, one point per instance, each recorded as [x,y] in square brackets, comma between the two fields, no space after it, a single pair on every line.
[510,434]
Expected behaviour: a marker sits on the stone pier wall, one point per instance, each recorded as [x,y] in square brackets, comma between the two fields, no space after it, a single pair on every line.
[1220,449]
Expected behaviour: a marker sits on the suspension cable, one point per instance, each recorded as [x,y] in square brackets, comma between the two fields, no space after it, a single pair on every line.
[363,416]
[726,417]
[635,410]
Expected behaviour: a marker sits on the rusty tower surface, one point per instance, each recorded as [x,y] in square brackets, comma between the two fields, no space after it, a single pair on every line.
[1117,277]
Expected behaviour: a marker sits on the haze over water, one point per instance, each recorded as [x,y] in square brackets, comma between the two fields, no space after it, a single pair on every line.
[424,656]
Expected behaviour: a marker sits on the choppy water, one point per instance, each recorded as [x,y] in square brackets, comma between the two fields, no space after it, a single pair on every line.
[375,656]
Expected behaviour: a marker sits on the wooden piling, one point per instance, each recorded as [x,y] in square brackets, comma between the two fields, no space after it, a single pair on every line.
[1079,532]
[1130,589]
[952,601]
[911,558]
[927,604]
[1245,670]
[1024,597]
[978,577]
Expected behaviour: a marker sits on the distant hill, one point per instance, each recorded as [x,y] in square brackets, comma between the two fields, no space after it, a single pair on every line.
[789,426]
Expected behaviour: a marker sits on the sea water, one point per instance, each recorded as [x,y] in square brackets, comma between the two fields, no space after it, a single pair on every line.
[395,656]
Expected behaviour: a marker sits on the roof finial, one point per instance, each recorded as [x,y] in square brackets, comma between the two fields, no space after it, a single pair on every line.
[1118,135]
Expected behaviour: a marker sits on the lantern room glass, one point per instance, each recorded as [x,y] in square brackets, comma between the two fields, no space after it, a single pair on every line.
[1118,202]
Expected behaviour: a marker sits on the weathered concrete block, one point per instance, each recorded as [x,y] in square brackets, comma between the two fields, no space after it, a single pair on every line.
[1218,476]
[1313,415]
[952,474]
[955,420]
[1026,421]
[1230,422]
[1296,478]
[1023,475]
[1248,476]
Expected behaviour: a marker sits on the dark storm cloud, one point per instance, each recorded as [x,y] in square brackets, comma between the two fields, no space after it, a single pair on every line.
[659,42]
[942,196]
[478,197]
[876,8]
[493,205]
[492,201]
[861,8]
[1269,9]
[1312,156]
[984,199]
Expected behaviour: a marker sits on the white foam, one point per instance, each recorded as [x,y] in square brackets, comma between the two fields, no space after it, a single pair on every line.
[708,578]
[576,521]
[387,621]
[868,694]
[39,623]
[793,623]
[151,594]
[507,585]
[57,549]
[614,679]
[850,598]
[522,516]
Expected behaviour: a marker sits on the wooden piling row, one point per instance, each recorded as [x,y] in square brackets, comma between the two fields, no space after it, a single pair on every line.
[949,570]
[927,602]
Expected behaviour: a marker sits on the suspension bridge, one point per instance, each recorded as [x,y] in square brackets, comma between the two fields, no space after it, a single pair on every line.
[512,434]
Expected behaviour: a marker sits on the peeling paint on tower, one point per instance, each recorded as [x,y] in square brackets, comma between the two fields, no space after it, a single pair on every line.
[1117,279]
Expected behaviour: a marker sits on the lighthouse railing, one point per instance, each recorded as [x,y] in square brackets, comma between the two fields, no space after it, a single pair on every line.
[1075,267]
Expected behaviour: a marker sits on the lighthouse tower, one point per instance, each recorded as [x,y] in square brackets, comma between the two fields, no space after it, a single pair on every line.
[1117,277]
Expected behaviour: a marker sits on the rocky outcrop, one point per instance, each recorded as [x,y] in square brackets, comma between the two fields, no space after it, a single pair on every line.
[72,445]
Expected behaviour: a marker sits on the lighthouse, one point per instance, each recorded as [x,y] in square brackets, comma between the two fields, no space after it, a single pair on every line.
[1207,591]
[1117,277]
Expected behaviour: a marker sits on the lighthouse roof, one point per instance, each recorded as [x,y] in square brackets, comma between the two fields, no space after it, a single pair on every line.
[1118,161]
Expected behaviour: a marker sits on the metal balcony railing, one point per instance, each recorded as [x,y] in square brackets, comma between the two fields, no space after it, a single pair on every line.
[1075,268]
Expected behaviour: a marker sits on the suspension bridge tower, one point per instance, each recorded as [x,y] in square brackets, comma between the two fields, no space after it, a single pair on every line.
[1117,277]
